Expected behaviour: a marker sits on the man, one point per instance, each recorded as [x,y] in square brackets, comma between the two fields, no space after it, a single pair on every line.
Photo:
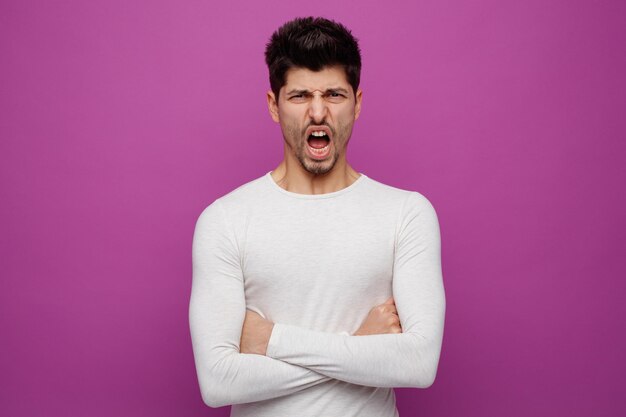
[316,289]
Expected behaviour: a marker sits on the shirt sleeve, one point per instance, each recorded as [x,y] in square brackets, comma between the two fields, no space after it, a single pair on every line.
[217,310]
[409,359]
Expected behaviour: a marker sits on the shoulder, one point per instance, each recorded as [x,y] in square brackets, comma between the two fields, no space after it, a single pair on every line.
[406,201]
[245,194]
[241,196]
[235,202]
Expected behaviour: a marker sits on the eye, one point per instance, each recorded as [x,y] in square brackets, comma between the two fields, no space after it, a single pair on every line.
[297,98]
[335,97]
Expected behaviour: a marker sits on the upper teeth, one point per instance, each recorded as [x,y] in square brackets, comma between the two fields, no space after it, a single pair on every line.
[318,133]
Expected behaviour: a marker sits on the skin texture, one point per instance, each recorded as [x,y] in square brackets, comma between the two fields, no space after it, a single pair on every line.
[255,334]
[315,100]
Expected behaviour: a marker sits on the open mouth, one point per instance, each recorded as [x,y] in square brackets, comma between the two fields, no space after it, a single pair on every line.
[318,144]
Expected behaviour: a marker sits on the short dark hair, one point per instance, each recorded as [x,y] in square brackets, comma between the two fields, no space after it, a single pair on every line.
[313,43]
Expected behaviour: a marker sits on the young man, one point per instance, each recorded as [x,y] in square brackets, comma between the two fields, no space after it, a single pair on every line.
[316,289]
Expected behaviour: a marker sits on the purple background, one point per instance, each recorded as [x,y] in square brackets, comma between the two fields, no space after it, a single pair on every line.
[121,120]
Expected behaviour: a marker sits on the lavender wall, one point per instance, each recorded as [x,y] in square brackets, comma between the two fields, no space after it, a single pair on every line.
[121,120]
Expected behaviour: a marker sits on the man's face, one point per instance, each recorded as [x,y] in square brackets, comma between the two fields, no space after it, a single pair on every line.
[316,111]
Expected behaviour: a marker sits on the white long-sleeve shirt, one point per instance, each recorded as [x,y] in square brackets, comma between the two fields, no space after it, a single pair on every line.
[315,265]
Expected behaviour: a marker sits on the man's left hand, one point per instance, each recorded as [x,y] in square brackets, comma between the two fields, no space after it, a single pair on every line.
[255,334]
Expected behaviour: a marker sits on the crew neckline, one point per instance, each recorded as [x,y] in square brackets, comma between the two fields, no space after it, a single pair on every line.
[337,193]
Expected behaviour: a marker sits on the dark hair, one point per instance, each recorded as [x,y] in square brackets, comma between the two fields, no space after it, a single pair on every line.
[313,43]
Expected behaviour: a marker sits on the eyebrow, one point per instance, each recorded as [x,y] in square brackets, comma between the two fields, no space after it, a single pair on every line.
[328,90]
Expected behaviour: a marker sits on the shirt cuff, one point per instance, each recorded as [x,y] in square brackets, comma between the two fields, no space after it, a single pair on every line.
[273,343]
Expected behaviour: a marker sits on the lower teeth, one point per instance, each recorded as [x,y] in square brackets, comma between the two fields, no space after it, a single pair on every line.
[320,150]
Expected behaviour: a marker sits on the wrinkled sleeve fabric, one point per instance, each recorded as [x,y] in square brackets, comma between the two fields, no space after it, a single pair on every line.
[409,359]
[217,310]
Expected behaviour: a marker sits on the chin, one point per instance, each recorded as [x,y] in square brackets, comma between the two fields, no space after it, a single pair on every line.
[318,168]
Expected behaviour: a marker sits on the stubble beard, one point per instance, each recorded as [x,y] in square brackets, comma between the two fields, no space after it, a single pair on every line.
[299,142]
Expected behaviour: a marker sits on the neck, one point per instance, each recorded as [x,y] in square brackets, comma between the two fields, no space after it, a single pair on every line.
[291,176]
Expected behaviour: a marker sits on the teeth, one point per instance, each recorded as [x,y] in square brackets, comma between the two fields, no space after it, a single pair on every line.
[320,151]
[318,133]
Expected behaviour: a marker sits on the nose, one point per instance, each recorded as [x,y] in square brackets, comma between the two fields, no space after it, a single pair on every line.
[318,108]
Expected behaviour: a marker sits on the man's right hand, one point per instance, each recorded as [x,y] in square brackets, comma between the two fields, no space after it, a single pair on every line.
[381,319]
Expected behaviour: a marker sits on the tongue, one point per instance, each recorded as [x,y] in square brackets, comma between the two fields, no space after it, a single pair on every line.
[317,143]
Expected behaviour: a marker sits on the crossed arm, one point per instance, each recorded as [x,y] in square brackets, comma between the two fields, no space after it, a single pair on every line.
[297,358]
[256,332]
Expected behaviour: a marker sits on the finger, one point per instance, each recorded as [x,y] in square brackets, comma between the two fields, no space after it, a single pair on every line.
[388,309]
[393,321]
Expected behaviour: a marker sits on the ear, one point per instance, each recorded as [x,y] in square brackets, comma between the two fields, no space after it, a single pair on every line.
[357,105]
[272,106]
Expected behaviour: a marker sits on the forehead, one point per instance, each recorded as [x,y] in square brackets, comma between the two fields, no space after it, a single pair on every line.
[305,79]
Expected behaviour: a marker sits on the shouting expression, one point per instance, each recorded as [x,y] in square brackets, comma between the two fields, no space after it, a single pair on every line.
[316,111]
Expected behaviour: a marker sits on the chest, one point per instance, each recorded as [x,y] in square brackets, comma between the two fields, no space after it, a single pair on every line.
[316,262]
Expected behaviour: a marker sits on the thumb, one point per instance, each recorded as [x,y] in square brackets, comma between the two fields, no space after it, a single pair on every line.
[389,301]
